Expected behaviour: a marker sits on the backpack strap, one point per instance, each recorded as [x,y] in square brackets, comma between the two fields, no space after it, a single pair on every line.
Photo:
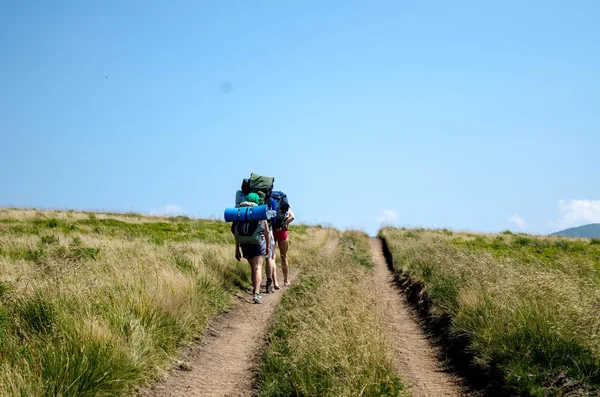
[247,213]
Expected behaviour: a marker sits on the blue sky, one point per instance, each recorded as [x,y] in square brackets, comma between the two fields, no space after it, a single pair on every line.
[469,115]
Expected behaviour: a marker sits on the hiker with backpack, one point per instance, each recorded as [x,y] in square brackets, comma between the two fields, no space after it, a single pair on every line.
[255,200]
[254,249]
[284,216]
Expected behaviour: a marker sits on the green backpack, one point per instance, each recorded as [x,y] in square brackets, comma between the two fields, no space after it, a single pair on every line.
[247,232]
[261,185]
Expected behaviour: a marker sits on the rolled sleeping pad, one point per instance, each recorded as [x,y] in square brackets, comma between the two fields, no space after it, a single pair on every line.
[258,213]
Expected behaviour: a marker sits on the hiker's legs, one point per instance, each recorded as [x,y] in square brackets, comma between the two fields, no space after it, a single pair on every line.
[283,249]
[272,271]
[274,263]
[271,268]
[256,269]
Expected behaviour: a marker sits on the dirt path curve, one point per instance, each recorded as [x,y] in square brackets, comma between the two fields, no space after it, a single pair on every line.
[415,357]
[224,363]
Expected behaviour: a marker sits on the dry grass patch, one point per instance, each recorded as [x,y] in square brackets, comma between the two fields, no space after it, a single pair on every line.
[326,338]
[94,304]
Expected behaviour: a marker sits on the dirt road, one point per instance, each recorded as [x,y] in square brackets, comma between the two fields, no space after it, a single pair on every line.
[415,358]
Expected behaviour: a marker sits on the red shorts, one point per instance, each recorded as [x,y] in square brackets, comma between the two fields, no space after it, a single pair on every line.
[281,235]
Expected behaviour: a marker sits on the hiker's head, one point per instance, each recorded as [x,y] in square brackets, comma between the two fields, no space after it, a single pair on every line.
[253,198]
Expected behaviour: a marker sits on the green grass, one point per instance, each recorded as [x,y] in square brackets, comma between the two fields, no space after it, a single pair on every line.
[327,337]
[177,229]
[96,304]
[353,245]
[527,305]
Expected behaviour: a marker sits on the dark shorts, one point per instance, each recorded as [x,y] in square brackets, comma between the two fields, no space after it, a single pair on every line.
[250,251]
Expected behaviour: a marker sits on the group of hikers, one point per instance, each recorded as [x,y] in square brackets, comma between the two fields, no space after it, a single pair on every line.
[263,223]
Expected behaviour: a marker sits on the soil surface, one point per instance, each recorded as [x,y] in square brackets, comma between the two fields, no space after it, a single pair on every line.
[415,357]
[224,363]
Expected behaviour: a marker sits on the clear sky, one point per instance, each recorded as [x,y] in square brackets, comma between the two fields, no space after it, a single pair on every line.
[467,114]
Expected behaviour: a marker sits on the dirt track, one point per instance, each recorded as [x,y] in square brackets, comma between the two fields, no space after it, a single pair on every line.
[415,357]
[224,363]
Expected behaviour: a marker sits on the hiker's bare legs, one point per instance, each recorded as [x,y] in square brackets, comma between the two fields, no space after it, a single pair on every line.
[283,249]
[273,266]
[256,267]
[269,267]
[274,263]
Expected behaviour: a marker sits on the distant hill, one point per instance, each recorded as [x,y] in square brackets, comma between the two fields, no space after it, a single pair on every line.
[591,230]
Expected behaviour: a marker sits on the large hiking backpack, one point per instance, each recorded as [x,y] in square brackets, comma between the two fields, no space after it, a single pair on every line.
[261,185]
[247,232]
[282,208]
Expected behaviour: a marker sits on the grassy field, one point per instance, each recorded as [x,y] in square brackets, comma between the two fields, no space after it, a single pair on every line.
[95,304]
[327,336]
[527,307]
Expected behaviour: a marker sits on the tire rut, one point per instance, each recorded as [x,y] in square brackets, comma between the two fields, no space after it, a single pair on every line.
[415,357]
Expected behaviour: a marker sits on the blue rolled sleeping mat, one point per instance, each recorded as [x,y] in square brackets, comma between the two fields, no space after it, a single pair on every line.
[258,213]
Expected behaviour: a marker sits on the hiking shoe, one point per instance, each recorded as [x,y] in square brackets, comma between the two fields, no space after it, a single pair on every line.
[269,288]
[257,298]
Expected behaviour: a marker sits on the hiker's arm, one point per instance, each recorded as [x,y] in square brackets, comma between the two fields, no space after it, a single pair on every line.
[289,219]
[238,254]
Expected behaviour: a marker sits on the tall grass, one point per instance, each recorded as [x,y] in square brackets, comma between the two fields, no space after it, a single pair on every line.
[528,306]
[327,338]
[97,304]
